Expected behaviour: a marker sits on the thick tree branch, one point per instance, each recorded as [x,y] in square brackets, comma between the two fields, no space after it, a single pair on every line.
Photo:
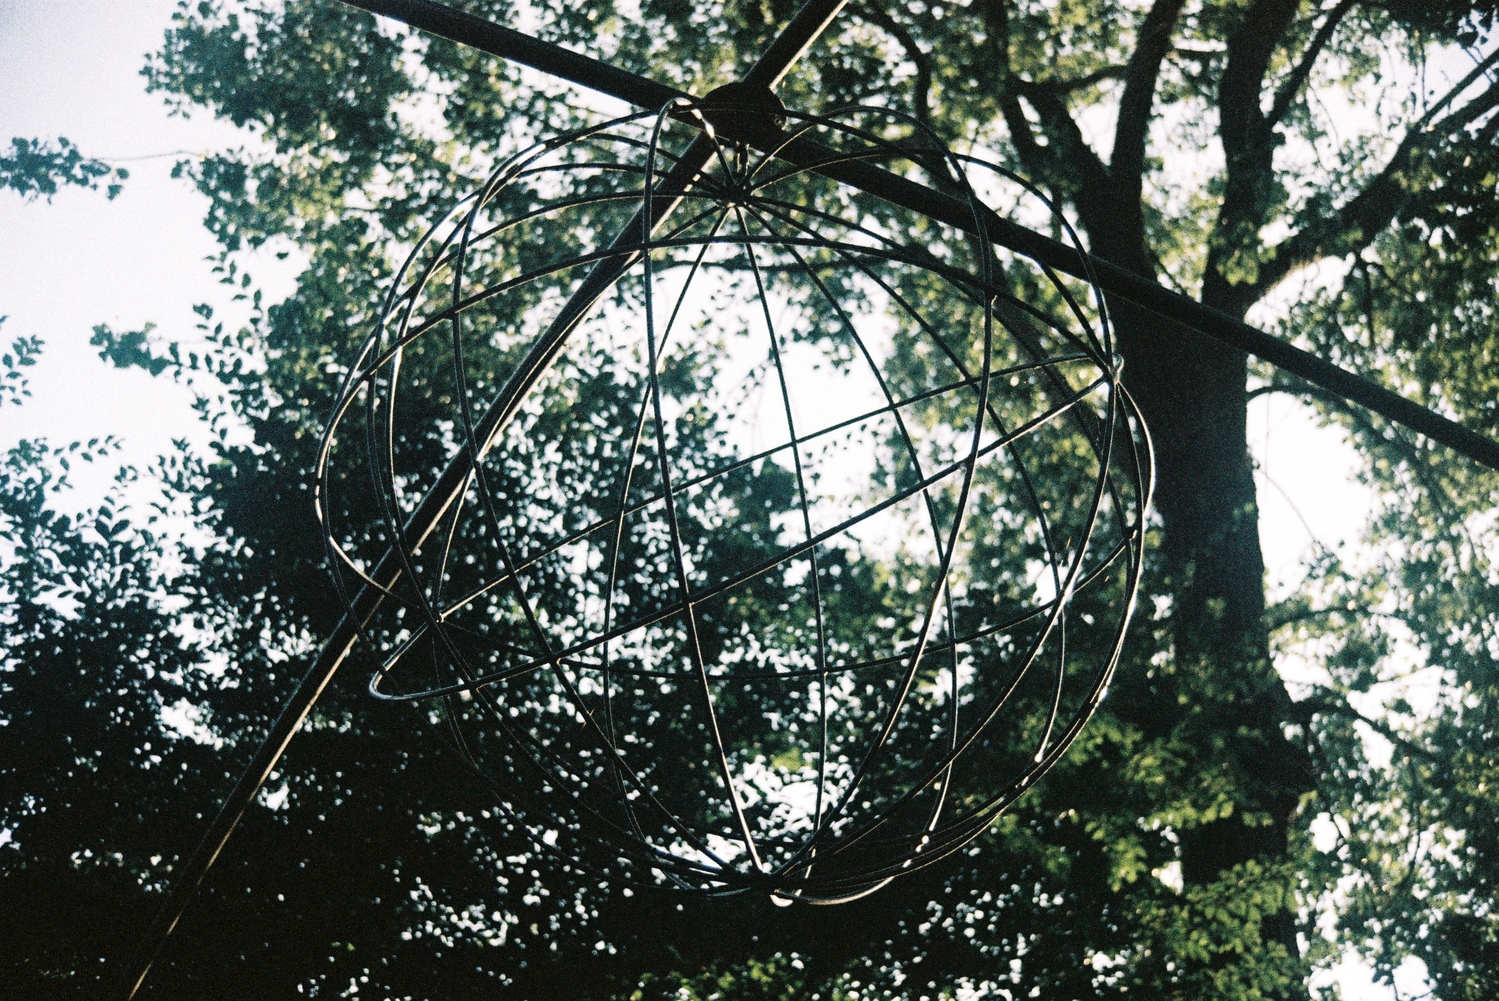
[996,18]
[1127,162]
[1481,68]
[1334,703]
[1242,125]
[1060,86]
[1286,95]
[1367,214]
[1066,161]
[1072,159]
[1202,57]
[1023,136]
[1250,192]
[922,61]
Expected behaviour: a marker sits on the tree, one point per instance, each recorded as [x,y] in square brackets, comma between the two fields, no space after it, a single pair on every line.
[92,658]
[34,167]
[1214,833]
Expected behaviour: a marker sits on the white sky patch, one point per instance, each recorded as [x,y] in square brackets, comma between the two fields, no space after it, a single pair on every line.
[1308,495]
[72,68]
[187,720]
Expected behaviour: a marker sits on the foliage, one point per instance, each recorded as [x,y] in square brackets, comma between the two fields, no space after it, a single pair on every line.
[1217,832]
[92,657]
[35,168]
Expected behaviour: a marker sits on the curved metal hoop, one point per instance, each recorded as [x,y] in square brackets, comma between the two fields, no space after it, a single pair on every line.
[800,534]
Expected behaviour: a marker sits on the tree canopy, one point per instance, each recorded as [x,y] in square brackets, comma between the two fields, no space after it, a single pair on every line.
[1275,779]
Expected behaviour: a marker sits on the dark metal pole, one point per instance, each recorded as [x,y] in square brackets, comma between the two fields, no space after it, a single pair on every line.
[518,47]
[594,74]
[805,26]
[1160,300]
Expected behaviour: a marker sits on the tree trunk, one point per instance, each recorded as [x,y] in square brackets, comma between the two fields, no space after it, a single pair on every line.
[1192,393]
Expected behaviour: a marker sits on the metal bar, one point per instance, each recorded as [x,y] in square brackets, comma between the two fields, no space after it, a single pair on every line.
[518,47]
[596,75]
[793,41]
[1158,299]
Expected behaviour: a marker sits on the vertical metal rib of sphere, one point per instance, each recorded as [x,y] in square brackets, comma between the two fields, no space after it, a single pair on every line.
[780,539]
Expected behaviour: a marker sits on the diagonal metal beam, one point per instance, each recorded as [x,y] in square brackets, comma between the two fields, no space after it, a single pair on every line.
[507,43]
[809,22]
[595,74]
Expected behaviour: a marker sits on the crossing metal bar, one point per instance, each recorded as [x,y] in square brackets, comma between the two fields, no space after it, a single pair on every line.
[554,60]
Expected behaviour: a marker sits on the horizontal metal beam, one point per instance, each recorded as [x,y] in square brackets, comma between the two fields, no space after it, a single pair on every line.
[554,60]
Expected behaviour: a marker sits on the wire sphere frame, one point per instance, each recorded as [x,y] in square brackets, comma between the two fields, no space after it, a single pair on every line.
[589,801]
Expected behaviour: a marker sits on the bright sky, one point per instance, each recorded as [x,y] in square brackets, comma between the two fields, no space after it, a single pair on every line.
[72,68]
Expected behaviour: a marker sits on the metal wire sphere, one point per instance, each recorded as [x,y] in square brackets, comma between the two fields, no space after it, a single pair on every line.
[803,533]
